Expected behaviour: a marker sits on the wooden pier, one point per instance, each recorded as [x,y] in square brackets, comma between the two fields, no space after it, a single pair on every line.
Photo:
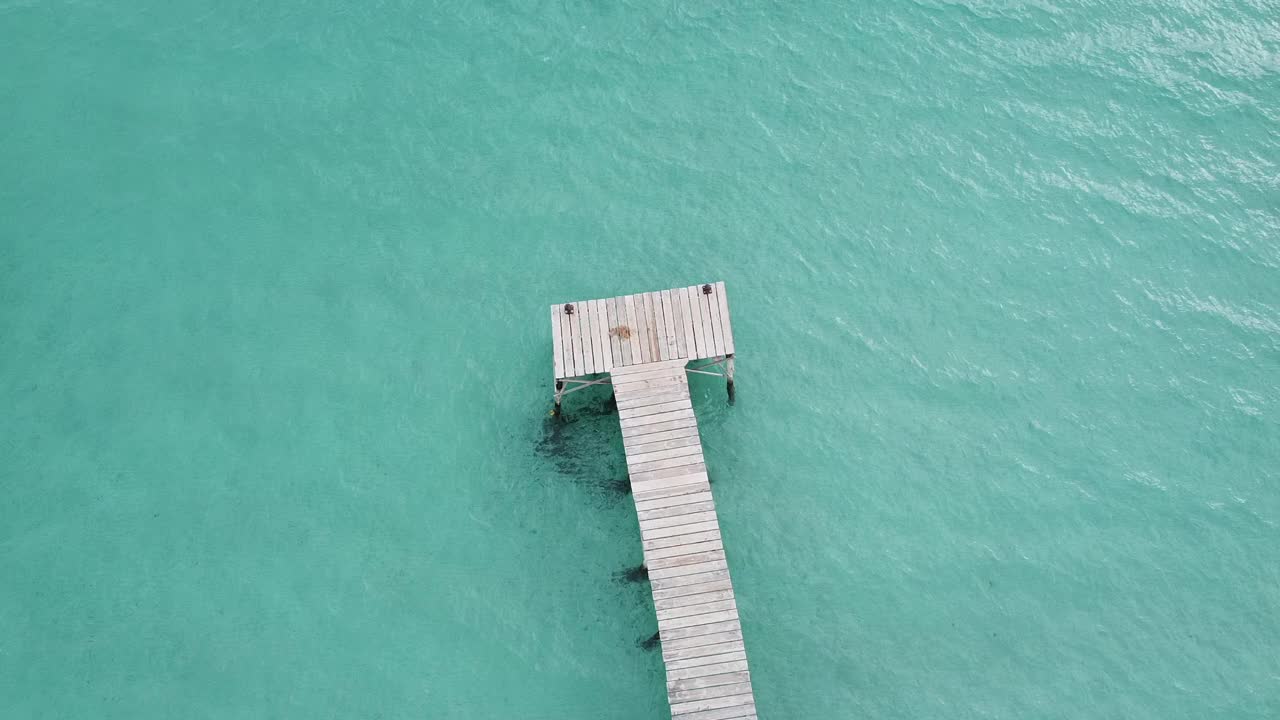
[643,343]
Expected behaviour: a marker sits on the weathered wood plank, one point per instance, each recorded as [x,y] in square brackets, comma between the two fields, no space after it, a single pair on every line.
[710,313]
[557,348]
[666,512]
[656,364]
[642,495]
[677,323]
[588,320]
[670,416]
[690,708]
[642,410]
[675,485]
[642,440]
[666,502]
[669,324]
[699,333]
[642,326]
[678,520]
[686,321]
[671,593]
[737,682]
[667,472]
[726,329]
[697,630]
[650,329]
[670,654]
[700,640]
[695,599]
[679,560]
[707,681]
[666,458]
[654,396]
[642,448]
[684,549]
[621,331]
[685,539]
[737,712]
[633,330]
[611,323]
[705,670]
[679,570]
[602,334]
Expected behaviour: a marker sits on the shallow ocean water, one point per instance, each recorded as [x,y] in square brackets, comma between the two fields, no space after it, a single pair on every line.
[274,358]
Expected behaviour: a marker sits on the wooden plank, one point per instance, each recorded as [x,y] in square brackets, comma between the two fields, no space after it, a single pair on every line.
[706,681]
[658,379]
[609,337]
[557,349]
[686,319]
[645,397]
[575,346]
[642,410]
[689,631]
[640,440]
[686,549]
[640,461]
[734,644]
[582,331]
[684,483]
[647,517]
[685,709]
[710,323]
[669,325]
[602,334]
[655,365]
[694,589]
[620,332]
[669,530]
[728,646]
[629,302]
[688,621]
[694,599]
[663,492]
[713,312]
[726,329]
[641,448]
[685,460]
[589,336]
[677,571]
[708,692]
[642,330]
[676,326]
[666,502]
[704,516]
[699,328]
[680,560]
[589,339]
[667,473]
[657,333]
[687,540]
[658,418]
[699,640]
[730,656]
[703,670]
[741,712]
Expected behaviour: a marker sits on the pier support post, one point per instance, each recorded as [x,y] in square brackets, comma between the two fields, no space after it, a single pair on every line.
[559,396]
[728,373]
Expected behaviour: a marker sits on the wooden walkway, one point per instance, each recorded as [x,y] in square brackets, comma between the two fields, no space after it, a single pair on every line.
[702,646]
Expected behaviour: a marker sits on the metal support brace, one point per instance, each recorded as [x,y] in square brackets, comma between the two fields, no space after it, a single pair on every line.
[562,387]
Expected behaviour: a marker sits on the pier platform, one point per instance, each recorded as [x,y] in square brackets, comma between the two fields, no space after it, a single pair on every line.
[644,344]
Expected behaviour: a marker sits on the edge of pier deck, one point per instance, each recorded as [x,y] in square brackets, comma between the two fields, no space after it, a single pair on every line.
[643,344]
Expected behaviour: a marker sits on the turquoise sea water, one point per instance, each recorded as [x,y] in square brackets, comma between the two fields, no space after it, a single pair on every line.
[274,355]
